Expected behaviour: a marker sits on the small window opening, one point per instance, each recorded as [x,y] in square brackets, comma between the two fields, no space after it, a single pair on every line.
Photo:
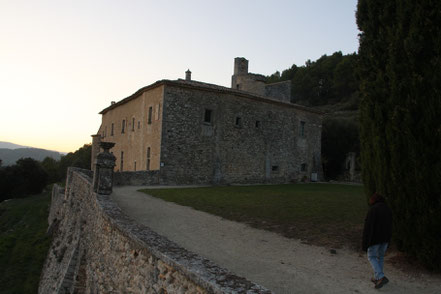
[111,130]
[238,121]
[148,158]
[302,129]
[122,161]
[135,165]
[303,167]
[139,125]
[133,124]
[275,168]
[150,115]
[158,111]
[123,126]
[257,124]
[208,115]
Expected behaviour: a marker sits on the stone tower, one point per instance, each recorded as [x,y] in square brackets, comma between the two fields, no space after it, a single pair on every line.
[240,68]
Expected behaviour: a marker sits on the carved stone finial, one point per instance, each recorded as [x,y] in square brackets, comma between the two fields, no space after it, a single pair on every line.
[107,146]
[103,176]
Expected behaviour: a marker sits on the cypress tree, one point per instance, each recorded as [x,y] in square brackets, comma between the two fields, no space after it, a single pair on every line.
[400,113]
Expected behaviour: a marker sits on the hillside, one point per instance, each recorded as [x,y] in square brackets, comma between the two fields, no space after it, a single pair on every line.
[9,145]
[10,156]
[23,242]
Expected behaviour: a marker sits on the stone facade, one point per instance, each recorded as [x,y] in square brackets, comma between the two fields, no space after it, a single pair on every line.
[135,125]
[255,83]
[193,132]
[97,249]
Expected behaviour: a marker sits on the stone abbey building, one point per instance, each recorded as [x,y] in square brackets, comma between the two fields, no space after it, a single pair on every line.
[186,131]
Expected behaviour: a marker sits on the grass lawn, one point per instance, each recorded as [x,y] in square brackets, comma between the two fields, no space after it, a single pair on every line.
[322,214]
[23,242]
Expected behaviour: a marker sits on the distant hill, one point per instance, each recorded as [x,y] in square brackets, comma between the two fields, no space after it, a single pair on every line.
[8,145]
[10,156]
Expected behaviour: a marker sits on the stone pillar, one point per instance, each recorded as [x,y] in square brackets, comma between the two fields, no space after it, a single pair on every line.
[103,175]
[96,139]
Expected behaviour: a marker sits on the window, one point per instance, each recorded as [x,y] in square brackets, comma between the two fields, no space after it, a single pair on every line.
[122,161]
[303,167]
[135,165]
[238,121]
[275,168]
[302,129]
[208,116]
[139,125]
[158,110]
[148,158]
[123,126]
[149,121]
[111,130]
[133,124]
[257,124]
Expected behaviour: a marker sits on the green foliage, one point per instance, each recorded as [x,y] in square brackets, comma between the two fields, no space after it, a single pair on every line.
[24,178]
[29,177]
[52,168]
[339,137]
[400,112]
[80,158]
[23,243]
[329,80]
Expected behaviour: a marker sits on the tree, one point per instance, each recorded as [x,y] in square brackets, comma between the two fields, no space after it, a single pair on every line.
[26,177]
[328,80]
[80,158]
[400,117]
[339,137]
[52,168]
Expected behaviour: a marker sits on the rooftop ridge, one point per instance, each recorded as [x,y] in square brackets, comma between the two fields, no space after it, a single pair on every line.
[208,87]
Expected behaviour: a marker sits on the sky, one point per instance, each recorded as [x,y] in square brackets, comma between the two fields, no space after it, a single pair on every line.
[62,62]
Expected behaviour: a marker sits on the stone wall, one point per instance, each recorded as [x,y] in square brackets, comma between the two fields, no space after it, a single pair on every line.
[137,125]
[280,91]
[139,178]
[98,249]
[245,141]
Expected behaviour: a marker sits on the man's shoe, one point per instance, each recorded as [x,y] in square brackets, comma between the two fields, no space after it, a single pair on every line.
[373,280]
[381,282]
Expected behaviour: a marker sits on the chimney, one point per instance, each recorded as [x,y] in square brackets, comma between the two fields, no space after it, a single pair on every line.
[188,75]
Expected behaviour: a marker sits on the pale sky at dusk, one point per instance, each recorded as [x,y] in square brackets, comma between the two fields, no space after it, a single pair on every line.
[62,62]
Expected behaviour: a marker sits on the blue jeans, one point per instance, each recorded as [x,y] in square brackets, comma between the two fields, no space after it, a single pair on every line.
[375,255]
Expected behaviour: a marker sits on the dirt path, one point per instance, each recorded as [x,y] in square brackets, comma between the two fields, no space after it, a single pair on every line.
[280,264]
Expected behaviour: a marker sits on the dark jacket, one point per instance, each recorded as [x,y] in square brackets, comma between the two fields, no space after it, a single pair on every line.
[377,225]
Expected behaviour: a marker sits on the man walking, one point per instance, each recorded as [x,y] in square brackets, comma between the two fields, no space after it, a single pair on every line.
[376,236]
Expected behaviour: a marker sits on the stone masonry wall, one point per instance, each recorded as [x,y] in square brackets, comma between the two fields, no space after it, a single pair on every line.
[98,249]
[139,178]
[280,91]
[247,141]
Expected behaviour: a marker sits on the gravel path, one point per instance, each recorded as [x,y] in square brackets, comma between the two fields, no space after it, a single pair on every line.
[280,264]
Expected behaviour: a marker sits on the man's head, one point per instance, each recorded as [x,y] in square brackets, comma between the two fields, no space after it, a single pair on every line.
[376,197]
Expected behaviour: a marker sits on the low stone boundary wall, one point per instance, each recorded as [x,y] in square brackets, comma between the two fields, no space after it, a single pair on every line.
[137,178]
[98,249]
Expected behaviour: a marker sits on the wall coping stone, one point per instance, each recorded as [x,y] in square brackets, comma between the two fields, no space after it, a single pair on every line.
[203,272]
